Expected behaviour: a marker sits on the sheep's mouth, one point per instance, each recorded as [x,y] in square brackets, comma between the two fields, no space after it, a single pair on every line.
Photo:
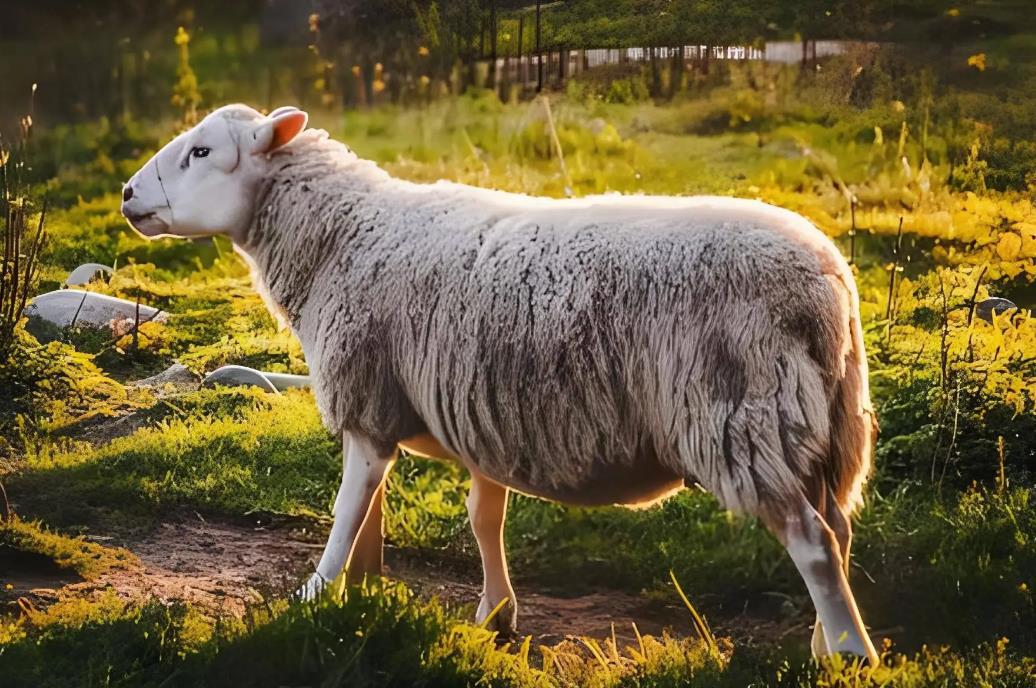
[148,224]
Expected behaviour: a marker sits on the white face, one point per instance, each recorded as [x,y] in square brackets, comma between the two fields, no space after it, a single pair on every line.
[203,182]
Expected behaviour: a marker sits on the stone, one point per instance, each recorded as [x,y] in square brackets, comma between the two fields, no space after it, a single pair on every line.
[239,376]
[75,307]
[995,304]
[177,375]
[86,273]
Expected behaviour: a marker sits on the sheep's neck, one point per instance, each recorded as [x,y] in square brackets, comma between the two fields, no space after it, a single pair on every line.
[303,224]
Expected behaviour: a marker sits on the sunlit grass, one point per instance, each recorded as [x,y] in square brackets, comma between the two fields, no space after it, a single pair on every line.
[238,454]
[88,559]
[920,561]
[383,635]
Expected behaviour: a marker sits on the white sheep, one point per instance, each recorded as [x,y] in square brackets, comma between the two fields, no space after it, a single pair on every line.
[604,350]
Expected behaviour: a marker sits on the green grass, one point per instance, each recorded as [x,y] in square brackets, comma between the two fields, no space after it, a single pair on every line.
[237,453]
[381,635]
[922,561]
[86,558]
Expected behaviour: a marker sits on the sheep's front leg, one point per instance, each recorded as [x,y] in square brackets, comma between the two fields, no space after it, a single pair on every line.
[487,507]
[362,477]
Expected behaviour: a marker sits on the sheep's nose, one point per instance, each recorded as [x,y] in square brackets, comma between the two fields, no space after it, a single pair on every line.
[127,193]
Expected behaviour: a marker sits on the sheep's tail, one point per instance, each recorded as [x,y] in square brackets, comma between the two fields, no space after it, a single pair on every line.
[854,427]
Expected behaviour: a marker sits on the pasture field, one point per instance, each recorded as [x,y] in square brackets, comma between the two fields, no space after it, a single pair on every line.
[151,534]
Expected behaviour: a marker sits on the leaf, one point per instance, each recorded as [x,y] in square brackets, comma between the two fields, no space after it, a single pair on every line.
[978,61]
[1009,246]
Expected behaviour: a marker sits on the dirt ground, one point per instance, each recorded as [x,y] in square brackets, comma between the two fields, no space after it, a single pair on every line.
[223,566]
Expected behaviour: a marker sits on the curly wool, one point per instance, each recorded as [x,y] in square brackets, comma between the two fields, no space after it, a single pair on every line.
[597,350]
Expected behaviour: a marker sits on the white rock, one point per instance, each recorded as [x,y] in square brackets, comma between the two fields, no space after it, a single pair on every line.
[72,306]
[239,376]
[86,273]
[177,374]
[283,381]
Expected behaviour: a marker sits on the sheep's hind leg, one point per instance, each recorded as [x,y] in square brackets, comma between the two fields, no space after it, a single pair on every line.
[367,558]
[362,477]
[816,553]
[841,525]
[487,507]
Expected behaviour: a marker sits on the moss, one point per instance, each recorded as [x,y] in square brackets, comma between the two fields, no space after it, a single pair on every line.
[89,559]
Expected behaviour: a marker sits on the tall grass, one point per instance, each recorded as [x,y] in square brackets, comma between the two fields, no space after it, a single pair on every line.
[22,236]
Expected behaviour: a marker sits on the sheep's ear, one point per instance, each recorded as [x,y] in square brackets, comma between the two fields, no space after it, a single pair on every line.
[281,127]
[281,110]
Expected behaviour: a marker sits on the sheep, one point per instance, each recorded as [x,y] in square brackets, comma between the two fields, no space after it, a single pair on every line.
[604,350]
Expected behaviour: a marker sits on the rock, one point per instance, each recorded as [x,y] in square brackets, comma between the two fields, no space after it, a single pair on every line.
[73,306]
[986,309]
[238,376]
[86,273]
[177,375]
[283,381]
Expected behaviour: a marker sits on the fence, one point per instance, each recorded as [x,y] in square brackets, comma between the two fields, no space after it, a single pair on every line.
[559,65]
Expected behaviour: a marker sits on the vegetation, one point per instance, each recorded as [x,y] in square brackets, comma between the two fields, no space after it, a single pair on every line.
[382,635]
[921,171]
[20,248]
[88,559]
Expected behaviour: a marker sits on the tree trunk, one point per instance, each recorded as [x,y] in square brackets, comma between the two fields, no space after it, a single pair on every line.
[474,53]
[656,81]
[521,52]
[539,55]
[491,77]
[361,90]
[676,72]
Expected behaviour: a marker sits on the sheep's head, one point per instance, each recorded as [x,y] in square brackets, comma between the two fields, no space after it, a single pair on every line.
[203,182]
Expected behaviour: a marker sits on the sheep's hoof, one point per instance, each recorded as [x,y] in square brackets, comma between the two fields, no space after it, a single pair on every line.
[505,622]
[312,589]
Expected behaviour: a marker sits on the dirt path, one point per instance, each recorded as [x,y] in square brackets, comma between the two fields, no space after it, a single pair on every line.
[223,566]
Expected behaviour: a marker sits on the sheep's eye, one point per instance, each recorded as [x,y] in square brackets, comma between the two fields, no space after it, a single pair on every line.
[199,152]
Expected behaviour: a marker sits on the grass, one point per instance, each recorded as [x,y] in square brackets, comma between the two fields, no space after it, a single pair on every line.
[237,453]
[381,635]
[88,559]
[922,561]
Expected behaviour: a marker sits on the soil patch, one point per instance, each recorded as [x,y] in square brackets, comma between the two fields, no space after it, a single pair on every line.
[224,566]
[31,574]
